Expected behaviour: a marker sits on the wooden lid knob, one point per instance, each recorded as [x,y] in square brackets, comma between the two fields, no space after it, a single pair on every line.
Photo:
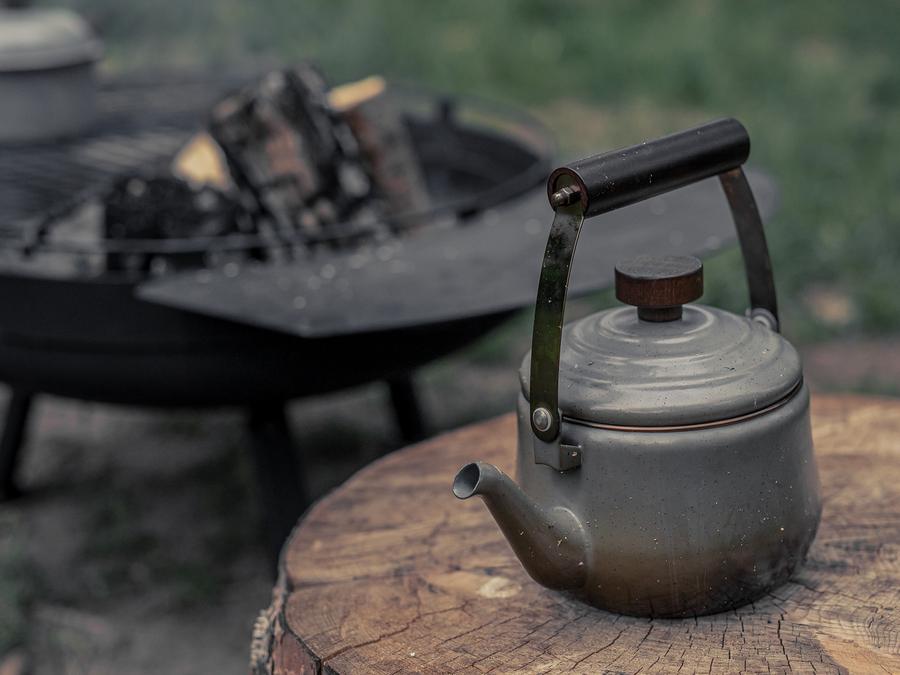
[659,286]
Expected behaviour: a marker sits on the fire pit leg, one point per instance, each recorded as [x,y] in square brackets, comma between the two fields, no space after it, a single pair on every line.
[279,472]
[14,429]
[407,410]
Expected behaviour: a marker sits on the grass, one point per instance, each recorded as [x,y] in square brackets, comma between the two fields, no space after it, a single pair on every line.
[816,83]
[129,549]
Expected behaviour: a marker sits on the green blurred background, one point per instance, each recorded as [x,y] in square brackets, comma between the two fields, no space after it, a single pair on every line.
[817,84]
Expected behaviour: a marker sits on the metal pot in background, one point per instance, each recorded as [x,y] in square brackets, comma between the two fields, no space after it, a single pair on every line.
[47,83]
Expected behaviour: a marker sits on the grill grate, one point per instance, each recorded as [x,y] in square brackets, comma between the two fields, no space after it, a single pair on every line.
[140,124]
[464,148]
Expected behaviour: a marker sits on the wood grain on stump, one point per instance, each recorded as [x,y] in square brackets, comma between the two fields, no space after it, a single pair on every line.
[391,574]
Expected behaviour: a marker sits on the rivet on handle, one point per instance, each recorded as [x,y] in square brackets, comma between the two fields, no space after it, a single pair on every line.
[565,197]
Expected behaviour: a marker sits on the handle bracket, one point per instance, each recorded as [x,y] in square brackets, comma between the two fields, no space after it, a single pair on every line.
[606,182]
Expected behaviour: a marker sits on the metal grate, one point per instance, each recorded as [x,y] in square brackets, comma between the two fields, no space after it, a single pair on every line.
[473,153]
[140,123]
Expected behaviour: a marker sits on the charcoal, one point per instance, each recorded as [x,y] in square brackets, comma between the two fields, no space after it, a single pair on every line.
[141,207]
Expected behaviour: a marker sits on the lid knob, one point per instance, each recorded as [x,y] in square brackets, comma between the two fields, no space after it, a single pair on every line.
[659,286]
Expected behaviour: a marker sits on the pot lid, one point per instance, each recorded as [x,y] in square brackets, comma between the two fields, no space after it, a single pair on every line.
[703,365]
[33,39]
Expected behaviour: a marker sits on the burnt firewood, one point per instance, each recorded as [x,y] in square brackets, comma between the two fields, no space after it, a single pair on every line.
[164,207]
[289,150]
[322,166]
[386,146]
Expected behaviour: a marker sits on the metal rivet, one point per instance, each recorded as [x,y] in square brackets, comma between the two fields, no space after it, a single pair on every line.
[565,197]
[541,419]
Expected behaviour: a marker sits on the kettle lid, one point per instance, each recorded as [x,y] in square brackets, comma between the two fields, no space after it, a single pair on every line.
[664,364]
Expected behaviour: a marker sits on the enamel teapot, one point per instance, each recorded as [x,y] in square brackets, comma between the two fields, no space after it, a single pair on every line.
[665,460]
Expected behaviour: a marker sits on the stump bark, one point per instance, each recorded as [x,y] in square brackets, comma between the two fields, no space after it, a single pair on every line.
[391,574]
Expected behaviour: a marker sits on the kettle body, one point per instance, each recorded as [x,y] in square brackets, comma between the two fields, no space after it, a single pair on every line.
[665,459]
[685,522]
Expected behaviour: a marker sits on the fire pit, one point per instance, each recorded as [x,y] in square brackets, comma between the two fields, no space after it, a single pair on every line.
[257,334]
[72,325]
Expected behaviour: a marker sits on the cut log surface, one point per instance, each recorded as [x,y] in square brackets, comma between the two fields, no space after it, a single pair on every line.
[391,574]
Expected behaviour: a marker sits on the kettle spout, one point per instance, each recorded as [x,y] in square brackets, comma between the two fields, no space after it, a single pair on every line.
[550,543]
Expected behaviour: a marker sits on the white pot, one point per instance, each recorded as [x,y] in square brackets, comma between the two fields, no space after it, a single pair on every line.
[47,83]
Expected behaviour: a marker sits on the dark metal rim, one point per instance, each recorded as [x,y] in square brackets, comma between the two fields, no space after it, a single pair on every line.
[692,427]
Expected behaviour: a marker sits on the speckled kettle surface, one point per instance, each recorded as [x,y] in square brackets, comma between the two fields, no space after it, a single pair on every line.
[665,464]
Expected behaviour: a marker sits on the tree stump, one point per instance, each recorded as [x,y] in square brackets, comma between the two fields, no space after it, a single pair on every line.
[391,574]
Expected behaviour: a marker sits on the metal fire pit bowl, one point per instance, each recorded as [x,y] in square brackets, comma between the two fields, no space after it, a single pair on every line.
[69,330]
[256,336]
[89,336]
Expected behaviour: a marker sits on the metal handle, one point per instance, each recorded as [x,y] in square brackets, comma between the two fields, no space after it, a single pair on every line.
[621,177]
[602,183]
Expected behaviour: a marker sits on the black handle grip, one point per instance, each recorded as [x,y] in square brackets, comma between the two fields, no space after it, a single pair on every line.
[614,179]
